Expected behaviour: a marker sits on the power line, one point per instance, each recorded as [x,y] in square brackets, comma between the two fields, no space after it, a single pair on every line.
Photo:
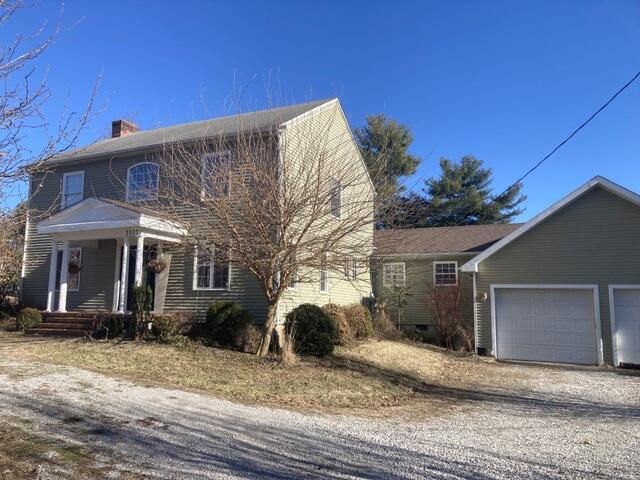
[582,125]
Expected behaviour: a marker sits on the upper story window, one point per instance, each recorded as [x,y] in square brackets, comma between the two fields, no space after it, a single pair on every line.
[72,188]
[142,182]
[215,174]
[393,274]
[211,270]
[336,198]
[445,273]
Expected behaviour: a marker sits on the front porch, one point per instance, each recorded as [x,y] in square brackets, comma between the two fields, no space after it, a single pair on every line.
[88,225]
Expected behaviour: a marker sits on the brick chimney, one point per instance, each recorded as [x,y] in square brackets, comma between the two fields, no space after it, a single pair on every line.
[122,128]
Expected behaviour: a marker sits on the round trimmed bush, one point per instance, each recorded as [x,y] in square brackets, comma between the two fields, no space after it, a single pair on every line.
[164,327]
[217,313]
[313,331]
[28,318]
[344,333]
[359,320]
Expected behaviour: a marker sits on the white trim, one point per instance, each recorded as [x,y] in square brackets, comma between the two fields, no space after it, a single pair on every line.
[63,204]
[211,274]
[472,265]
[408,256]
[308,113]
[587,286]
[116,277]
[155,196]
[612,316]
[475,312]
[442,262]
[404,271]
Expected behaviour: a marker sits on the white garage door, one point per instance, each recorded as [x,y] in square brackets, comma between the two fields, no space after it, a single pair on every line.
[627,325]
[546,325]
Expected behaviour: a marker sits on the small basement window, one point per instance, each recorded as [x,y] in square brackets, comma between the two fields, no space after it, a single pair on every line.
[445,274]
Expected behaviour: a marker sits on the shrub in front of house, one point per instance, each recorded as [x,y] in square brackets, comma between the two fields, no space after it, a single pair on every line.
[28,318]
[230,325]
[109,326]
[359,320]
[336,313]
[164,328]
[312,330]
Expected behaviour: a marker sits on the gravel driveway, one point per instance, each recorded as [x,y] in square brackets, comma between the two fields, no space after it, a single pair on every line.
[570,423]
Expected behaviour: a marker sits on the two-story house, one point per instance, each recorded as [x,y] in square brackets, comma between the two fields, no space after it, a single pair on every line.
[87,245]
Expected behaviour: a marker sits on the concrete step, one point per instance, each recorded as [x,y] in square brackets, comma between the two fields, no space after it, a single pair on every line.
[78,321]
[56,332]
[67,326]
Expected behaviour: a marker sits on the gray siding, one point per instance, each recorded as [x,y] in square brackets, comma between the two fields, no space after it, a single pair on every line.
[594,240]
[106,179]
[419,278]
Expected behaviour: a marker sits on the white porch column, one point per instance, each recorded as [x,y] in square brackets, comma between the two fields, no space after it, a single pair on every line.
[139,259]
[64,277]
[116,278]
[122,304]
[53,267]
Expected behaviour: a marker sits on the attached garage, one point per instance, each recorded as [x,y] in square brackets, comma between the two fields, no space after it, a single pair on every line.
[565,286]
[625,323]
[557,323]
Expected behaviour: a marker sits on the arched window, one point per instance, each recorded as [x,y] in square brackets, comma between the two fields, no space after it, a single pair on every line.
[142,182]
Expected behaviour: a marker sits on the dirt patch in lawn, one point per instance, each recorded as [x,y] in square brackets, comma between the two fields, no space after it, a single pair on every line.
[376,378]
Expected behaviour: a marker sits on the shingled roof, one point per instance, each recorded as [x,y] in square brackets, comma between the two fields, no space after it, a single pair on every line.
[464,239]
[220,126]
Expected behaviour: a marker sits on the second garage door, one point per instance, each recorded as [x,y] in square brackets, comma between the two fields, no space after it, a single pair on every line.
[546,325]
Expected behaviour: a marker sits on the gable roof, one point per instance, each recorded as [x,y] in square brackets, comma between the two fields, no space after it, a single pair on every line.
[92,214]
[220,126]
[472,265]
[430,241]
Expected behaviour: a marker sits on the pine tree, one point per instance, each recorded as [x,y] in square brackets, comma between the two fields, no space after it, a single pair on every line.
[462,196]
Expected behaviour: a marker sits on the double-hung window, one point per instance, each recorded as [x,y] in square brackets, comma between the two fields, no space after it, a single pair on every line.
[74,267]
[350,268]
[324,275]
[216,174]
[72,188]
[393,274]
[445,274]
[336,197]
[142,182]
[211,269]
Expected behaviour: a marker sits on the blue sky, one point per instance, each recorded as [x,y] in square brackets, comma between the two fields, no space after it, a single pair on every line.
[502,80]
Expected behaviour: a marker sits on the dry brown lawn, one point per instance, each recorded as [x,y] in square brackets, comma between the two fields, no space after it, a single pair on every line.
[27,453]
[375,378]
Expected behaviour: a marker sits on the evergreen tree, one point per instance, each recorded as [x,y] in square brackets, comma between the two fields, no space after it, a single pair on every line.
[462,196]
[384,144]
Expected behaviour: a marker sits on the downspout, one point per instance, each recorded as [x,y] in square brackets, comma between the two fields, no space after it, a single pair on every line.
[475,313]
[281,129]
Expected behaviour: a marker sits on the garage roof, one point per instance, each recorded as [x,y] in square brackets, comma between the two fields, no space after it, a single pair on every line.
[430,241]
[472,265]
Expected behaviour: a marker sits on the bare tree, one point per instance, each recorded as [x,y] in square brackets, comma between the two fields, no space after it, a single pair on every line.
[444,305]
[23,96]
[12,229]
[282,202]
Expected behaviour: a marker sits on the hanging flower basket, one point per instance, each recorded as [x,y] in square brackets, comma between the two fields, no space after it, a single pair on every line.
[74,268]
[156,265]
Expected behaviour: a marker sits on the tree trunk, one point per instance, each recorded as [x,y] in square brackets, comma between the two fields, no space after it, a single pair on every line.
[267,331]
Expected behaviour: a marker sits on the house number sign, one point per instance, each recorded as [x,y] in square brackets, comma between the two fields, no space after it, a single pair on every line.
[134,232]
